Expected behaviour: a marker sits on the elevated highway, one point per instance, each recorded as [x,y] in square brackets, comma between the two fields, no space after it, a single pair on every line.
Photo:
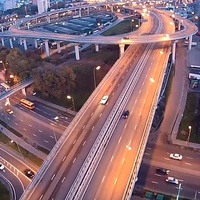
[93,121]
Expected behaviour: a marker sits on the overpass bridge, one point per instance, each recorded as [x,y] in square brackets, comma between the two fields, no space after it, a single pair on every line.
[90,121]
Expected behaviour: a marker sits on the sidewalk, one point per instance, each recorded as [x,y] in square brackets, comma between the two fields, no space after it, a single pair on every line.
[22,143]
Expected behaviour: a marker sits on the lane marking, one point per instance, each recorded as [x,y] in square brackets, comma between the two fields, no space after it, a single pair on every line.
[74,141]
[103,179]
[46,141]
[40,131]
[148,154]
[64,158]
[74,160]
[83,126]
[34,135]
[115,181]
[167,159]
[63,179]
[30,125]
[111,159]
[119,139]
[154,182]
[157,174]
[53,177]
[123,160]
[24,129]
[188,163]
[93,127]
[100,115]
[16,123]
[84,143]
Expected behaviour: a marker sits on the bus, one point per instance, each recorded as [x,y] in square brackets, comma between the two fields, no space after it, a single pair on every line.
[28,104]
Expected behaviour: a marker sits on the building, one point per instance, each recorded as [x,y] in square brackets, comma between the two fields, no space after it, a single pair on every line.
[9,4]
[43,5]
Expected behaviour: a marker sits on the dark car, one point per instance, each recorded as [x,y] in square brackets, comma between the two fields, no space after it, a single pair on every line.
[125,114]
[29,173]
[162,170]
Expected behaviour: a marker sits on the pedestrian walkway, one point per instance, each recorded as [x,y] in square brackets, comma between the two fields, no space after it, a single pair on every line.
[22,143]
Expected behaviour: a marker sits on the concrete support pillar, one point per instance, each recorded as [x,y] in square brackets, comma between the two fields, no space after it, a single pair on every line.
[88,11]
[79,12]
[173,52]
[28,25]
[7,101]
[190,42]
[47,48]
[24,91]
[111,8]
[20,41]
[179,25]
[35,43]
[2,42]
[14,38]
[96,47]
[36,21]
[48,19]
[1,28]
[25,44]
[11,44]
[121,49]
[77,52]
[58,46]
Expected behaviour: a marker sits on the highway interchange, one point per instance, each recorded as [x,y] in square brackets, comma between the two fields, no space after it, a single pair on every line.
[98,114]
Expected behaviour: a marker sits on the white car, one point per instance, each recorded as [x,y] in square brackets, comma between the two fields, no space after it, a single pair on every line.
[176,156]
[2,167]
[104,100]
[172,180]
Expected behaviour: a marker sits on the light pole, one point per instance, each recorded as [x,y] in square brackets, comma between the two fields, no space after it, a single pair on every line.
[132,24]
[179,190]
[195,196]
[70,97]
[189,133]
[94,75]
[17,147]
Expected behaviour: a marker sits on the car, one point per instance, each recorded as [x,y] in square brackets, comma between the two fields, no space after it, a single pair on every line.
[162,170]
[125,114]
[9,111]
[2,167]
[104,99]
[172,180]
[29,173]
[176,156]
[125,38]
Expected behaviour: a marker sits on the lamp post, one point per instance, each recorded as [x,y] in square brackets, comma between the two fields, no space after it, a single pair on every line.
[132,24]
[94,75]
[179,190]
[189,133]
[70,97]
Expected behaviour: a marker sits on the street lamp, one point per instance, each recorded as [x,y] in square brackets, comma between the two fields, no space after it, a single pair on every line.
[179,190]
[189,133]
[94,75]
[70,97]
[132,24]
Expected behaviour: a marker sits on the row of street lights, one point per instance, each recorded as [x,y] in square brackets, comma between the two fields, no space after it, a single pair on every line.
[95,85]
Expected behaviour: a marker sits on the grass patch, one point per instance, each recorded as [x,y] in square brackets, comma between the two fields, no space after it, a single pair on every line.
[125,26]
[20,150]
[190,118]
[4,192]
[169,84]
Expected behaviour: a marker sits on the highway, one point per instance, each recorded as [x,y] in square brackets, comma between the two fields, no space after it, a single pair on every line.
[97,116]
[90,125]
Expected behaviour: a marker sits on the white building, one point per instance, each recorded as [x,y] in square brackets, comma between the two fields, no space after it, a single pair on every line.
[43,5]
[9,4]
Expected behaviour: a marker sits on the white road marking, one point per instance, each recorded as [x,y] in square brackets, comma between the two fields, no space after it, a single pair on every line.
[135,127]
[125,126]
[122,77]
[148,154]
[64,158]
[154,182]
[63,179]
[103,179]
[139,91]
[40,131]
[83,127]
[144,102]
[111,159]
[119,139]
[157,174]
[100,115]
[21,120]
[166,158]
[74,160]
[92,114]
[84,143]
[51,136]
[16,123]
[123,160]
[74,141]
[46,141]
[93,127]
[8,118]
[53,176]
[190,158]
[188,163]
[24,129]
[115,181]
[149,148]
[30,125]
[34,135]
